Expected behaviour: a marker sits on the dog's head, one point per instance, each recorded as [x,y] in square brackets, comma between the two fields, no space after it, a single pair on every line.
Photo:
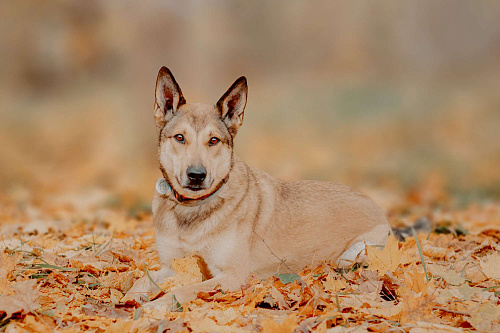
[196,140]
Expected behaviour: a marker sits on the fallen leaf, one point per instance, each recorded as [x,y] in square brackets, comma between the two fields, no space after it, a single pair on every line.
[23,300]
[286,326]
[385,309]
[7,264]
[279,298]
[425,327]
[468,291]
[33,324]
[416,280]
[449,275]
[287,278]
[187,272]
[485,317]
[333,285]
[387,259]
[434,252]
[490,265]
[187,268]
[199,322]
[223,316]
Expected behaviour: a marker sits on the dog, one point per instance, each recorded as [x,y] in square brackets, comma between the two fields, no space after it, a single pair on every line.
[240,220]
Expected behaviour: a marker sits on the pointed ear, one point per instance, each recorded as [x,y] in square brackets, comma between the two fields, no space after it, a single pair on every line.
[232,104]
[168,97]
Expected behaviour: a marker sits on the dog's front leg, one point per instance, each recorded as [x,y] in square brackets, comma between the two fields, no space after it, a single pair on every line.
[184,294]
[142,288]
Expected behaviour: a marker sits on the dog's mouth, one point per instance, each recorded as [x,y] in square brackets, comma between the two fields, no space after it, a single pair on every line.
[195,188]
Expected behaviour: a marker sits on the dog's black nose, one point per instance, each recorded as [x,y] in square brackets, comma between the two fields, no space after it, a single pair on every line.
[196,174]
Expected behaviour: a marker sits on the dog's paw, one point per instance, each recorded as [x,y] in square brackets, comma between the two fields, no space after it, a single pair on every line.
[137,297]
[164,303]
[354,254]
[142,291]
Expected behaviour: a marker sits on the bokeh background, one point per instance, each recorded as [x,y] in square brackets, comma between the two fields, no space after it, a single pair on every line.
[390,95]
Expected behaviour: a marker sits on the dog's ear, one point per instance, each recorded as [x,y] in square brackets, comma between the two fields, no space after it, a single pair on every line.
[232,105]
[168,97]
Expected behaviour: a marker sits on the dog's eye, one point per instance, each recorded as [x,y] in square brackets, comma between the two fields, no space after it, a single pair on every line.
[213,141]
[179,138]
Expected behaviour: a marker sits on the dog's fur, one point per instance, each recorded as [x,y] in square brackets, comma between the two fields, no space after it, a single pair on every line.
[253,223]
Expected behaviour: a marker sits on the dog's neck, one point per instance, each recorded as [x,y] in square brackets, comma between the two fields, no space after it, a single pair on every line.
[191,217]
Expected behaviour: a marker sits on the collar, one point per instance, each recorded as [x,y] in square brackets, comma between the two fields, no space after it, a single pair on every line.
[162,187]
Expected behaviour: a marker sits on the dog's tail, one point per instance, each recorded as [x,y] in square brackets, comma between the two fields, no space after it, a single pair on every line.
[422,225]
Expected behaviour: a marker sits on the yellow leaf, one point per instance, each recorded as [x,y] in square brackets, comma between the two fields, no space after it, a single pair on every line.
[207,325]
[387,259]
[490,265]
[449,275]
[7,264]
[321,328]
[32,324]
[119,327]
[223,317]
[23,299]
[468,291]
[199,322]
[187,272]
[416,281]
[388,312]
[187,268]
[484,317]
[333,285]
[434,252]
[287,326]
[425,327]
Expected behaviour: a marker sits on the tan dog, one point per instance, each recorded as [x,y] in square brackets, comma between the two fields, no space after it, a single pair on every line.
[240,220]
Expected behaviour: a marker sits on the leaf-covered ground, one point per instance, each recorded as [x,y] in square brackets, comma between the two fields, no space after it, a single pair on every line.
[67,261]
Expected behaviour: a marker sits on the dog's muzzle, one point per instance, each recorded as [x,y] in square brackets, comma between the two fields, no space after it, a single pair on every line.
[196,175]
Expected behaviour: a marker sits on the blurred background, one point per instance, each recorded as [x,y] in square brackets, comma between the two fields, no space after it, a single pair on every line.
[391,95]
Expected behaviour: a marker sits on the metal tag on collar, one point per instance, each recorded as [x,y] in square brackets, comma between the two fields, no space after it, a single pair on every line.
[162,186]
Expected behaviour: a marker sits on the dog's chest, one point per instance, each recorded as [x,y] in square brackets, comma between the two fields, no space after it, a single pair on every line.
[201,237]
[214,238]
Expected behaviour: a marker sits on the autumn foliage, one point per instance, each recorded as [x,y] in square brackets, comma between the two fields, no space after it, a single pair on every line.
[66,265]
